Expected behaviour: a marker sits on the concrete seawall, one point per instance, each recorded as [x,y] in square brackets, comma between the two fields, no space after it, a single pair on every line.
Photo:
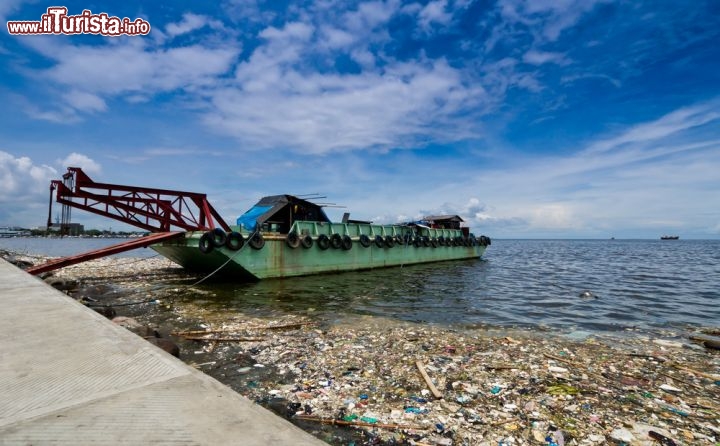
[70,376]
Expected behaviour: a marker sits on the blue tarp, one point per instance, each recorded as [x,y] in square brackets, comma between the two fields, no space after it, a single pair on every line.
[248,220]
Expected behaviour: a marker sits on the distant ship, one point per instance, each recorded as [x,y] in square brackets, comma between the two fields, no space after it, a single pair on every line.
[669,237]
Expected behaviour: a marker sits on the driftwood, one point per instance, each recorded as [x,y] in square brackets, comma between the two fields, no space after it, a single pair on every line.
[696,372]
[608,381]
[198,332]
[501,367]
[201,338]
[229,331]
[283,326]
[502,422]
[643,355]
[558,358]
[707,340]
[675,378]
[427,379]
[357,423]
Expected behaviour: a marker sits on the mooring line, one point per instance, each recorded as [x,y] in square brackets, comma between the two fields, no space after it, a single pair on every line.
[228,261]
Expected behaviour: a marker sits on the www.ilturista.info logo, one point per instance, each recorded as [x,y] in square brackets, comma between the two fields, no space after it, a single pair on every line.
[56,21]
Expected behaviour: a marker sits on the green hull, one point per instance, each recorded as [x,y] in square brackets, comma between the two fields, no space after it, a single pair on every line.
[278,259]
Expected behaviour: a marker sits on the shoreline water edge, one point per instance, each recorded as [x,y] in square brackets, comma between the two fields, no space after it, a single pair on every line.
[363,379]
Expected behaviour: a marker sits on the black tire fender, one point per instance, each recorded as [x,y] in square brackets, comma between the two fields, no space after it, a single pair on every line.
[365,241]
[323,242]
[336,241]
[219,237]
[379,242]
[256,241]
[306,242]
[206,243]
[292,240]
[347,243]
[234,241]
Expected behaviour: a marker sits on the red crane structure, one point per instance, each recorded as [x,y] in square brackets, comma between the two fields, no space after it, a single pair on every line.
[151,209]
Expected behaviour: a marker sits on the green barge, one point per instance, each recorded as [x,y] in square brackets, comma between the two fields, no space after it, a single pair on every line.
[287,236]
[280,236]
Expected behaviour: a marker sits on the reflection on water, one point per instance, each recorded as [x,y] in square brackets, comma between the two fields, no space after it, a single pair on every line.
[520,283]
[427,293]
[645,284]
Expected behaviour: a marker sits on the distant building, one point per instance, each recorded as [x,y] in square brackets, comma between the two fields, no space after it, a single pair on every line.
[72,229]
[14,231]
[8,232]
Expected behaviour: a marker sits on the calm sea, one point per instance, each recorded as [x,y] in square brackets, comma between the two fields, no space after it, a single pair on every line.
[638,285]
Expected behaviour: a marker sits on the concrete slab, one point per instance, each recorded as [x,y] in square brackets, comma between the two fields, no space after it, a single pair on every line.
[70,376]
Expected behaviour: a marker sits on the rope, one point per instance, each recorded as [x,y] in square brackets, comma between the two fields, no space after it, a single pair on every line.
[406,244]
[148,301]
[228,261]
[139,260]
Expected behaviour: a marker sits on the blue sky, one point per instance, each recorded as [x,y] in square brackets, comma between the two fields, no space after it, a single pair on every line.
[560,119]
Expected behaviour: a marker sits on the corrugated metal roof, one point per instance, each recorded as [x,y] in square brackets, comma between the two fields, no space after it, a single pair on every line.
[443,217]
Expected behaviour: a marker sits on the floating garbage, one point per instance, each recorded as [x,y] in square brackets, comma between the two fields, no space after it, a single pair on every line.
[541,390]
[403,384]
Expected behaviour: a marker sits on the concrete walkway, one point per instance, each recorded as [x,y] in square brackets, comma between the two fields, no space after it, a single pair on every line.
[70,376]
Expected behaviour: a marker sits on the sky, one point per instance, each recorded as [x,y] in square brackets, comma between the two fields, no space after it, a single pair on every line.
[529,118]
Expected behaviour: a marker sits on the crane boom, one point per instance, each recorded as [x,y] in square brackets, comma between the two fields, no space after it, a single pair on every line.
[151,209]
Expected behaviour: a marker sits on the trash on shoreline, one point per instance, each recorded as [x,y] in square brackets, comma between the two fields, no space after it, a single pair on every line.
[541,390]
[380,381]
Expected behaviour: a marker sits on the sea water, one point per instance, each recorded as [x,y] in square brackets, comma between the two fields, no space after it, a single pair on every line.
[574,286]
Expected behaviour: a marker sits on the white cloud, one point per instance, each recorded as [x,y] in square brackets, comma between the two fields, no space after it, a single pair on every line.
[498,77]
[365,58]
[547,18]
[575,77]
[335,38]
[639,191]
[279,106]
[473,212]
[619,182]
[24,186]
[535,57]
[60,114]
[131,68]
[435,12]
[83,101]
[20,178]
[553,216]
[292,31]
[370,15]
[87,164]
[7,7]
[669,124]
[191,22]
